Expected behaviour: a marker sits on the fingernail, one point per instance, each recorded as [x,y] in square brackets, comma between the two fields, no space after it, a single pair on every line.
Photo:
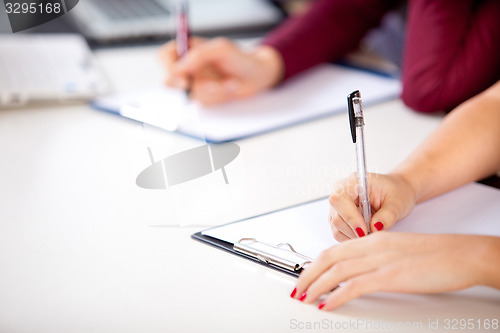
[292,295]
[303,297]
[379,226]
[360,232]
[321,305]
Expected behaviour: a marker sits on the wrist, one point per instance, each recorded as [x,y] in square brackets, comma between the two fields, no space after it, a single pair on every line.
[272,65]
[409,182]
[415,173]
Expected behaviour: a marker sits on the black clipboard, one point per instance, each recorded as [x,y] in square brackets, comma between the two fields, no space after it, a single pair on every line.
[229,247]
[294,269]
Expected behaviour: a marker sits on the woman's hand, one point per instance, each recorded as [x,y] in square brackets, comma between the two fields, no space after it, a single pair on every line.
[391,199]
[400,262]
[218,71]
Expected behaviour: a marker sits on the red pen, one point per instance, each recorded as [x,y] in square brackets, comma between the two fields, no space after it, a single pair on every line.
[182,33]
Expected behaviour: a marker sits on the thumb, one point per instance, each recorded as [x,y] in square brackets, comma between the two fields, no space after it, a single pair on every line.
[384,218]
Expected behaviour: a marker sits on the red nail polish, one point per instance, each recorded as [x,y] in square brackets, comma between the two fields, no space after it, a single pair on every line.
[321,305]
[360,232]
[303,297]
[379,226]
[292,295]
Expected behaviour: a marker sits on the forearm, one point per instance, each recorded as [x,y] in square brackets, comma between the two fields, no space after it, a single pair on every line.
[465,148]
[484,259]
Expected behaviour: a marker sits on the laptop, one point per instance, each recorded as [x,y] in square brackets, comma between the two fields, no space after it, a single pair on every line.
[48,68]
[106,21]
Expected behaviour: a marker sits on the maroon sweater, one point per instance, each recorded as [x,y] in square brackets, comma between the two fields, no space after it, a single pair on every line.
[452,47]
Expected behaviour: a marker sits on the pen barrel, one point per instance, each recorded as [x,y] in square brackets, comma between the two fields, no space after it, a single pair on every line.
[364,201]
[182,31]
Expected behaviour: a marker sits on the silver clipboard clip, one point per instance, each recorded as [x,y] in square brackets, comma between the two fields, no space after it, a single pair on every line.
[282,255]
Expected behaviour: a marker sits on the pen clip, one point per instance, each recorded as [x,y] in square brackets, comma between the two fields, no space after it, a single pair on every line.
[350,109]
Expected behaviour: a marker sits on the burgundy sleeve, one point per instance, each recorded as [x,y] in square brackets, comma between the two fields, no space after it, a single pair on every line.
[328,31]
[452,52]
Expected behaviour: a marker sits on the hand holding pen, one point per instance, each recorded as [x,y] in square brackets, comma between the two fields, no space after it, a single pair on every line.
[391,199]
[389,196]
[218,70]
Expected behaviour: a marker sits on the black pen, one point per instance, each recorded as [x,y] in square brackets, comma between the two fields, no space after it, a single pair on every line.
[357,123]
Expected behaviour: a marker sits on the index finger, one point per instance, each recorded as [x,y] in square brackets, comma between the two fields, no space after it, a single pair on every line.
[168,52]
[206,54]
[328,258]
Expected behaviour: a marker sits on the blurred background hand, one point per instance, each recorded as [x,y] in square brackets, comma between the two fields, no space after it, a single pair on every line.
[218,71]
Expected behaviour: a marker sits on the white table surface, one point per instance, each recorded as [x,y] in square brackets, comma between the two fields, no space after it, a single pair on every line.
[83,249]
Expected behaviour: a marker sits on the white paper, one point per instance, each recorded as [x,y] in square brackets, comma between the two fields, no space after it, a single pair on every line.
[318,92]
[305,227]
[471,209]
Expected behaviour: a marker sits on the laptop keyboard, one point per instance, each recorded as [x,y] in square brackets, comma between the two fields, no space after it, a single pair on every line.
[130,9]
